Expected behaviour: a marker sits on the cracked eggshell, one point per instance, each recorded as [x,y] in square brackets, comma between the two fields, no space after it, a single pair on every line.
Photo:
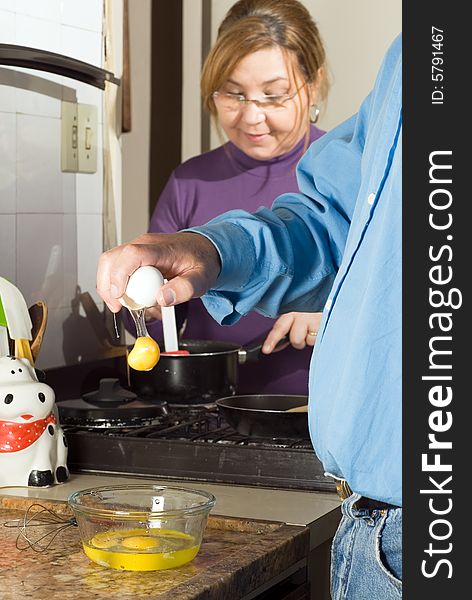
[142,289]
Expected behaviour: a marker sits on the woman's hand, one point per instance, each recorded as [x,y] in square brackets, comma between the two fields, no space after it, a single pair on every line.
[189,261]
[301,327]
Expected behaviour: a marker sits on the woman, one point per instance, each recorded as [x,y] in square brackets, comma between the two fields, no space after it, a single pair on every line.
[261,82]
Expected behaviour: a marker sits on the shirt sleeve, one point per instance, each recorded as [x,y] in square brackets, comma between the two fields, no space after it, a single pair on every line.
[287,257]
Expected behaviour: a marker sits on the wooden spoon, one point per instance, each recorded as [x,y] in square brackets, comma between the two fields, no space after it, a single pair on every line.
[298,409]
[39,317]
[23,350]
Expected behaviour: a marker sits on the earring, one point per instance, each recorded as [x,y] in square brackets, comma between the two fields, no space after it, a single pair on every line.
[314,113]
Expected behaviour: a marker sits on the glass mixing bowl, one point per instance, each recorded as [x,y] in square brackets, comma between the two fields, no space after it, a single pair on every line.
[141,527]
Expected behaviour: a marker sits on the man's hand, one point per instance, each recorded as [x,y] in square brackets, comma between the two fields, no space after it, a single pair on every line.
[301,327]
[189,261]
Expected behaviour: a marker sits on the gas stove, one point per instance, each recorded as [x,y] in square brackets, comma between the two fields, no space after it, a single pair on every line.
[183,442]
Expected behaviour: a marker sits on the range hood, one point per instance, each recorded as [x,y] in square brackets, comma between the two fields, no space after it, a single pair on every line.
[42,60]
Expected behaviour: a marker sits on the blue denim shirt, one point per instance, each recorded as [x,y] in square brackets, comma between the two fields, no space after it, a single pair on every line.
[336,247]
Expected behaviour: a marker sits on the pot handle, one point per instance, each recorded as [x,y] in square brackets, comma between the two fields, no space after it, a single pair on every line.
[253,350]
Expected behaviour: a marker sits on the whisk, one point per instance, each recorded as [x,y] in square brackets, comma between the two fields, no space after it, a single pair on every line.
[40,516]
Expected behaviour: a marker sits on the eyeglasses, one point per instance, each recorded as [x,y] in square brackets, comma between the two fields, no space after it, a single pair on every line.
[235,102]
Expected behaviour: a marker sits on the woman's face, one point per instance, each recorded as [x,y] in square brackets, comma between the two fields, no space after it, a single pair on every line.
[259,134]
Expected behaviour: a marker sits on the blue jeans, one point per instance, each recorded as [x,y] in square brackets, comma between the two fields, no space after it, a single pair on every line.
[366,555]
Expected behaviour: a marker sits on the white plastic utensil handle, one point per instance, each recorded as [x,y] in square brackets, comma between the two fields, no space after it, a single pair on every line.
[4,346]
[169,328]
[16,311]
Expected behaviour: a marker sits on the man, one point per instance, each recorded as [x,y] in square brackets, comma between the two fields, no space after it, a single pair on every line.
[336,247]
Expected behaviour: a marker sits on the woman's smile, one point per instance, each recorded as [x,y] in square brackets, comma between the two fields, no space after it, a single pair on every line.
[256,137]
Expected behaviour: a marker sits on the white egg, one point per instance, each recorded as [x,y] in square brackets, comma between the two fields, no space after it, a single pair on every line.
[142,289]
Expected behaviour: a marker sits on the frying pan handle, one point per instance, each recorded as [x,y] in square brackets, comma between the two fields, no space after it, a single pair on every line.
[253,350]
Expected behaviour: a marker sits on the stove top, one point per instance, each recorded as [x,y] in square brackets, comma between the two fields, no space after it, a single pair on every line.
[184,442]
[196,444]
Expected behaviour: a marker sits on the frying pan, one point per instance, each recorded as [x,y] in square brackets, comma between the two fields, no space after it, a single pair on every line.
[264,415]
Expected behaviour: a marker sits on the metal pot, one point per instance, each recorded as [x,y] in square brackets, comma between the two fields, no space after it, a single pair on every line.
[209,372]
[265,415]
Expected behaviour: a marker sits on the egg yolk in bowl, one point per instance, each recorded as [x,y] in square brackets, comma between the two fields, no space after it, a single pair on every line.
[145,354]
[141,549]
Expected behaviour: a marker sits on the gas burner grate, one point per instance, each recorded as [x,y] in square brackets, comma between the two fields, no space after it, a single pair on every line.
[197,444]
[206,426]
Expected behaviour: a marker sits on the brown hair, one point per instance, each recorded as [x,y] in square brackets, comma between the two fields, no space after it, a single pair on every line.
[252,25]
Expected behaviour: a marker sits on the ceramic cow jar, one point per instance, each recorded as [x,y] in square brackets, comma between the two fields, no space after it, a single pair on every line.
[33,448]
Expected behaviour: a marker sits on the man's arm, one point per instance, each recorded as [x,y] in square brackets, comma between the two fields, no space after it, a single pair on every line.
[285,258]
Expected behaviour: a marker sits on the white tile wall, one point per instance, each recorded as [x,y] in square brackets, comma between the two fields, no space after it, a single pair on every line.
[40,273]
[69,339]
[7,5]
[45,34]
[70,263]
[39,185]
[38,93]
[52,348]
[88,94]
[38,33]
[7,36]
[90,187]
[7,163]
[7,92]
[86,46]
[7,246]
[82,44]
[86,14]
[69,192]
[50,222]
[89,248]
[51,354]
[44,9]
[7,26]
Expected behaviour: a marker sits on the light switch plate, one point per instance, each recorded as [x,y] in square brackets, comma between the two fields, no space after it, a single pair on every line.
[88,130]
[79,137]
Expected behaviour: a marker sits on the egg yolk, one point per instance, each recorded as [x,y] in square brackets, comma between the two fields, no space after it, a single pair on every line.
[145,354]
[140,542]
[141,550]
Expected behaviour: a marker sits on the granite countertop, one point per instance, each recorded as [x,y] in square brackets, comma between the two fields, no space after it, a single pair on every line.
[237,556]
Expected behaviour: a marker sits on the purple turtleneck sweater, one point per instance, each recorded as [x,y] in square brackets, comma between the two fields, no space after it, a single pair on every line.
[202,188]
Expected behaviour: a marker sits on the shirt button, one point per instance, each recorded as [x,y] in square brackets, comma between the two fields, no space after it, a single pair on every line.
[328,304]
[370,199]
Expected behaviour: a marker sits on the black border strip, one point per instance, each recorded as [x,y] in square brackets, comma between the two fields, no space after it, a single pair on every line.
[436,251]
